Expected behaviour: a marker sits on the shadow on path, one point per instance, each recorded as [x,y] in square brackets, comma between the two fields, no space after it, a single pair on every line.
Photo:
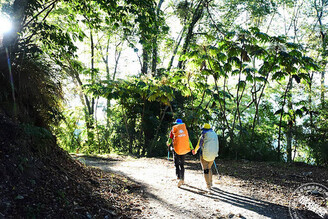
[263,208]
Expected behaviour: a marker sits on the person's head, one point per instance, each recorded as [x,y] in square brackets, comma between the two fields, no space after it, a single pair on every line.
[206,126]
[178,121]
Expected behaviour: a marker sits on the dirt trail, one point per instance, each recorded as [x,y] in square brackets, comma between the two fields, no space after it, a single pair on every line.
[165,200]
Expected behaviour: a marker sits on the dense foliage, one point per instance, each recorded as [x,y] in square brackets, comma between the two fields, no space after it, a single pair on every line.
[254,70]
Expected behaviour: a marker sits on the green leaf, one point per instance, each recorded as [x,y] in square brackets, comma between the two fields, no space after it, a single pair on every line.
[213,104]
[221,57]
[227,67]
[263,37]
[208,91]
[235,72]
[207,72]
[242,85]
[234,60]
[259,52]
[293,45]
[141,84]
[278,112]
[297,78]
[249,77]
[299,112]
[278,75]
[216,97]
[249,70]
[295,53]
[225,94]
[260,79]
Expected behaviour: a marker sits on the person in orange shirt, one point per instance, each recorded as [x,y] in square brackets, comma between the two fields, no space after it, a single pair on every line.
[182,145]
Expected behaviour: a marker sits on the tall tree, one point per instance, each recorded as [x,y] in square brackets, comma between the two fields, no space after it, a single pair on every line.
[197,13]
[321,8]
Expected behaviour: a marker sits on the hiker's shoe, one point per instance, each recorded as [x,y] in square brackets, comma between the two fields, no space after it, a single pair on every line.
[208,189]
[180,183]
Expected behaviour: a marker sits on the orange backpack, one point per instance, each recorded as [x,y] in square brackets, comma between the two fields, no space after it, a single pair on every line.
[180,139]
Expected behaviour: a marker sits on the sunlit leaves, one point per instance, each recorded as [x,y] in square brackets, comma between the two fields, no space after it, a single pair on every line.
[241,85]
[278,112]
[295,47]
[234,60]
[221,57]
[310,64]
[259,52]
[227,67]
[151,89]
[278,75]
[248,70]
[262,37]
[260,79]
[207,72]
[299,112]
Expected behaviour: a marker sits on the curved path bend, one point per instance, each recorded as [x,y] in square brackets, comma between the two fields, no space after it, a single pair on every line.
[165,200]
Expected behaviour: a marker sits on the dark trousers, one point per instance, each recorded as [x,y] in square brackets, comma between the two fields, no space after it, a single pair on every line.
[179,165]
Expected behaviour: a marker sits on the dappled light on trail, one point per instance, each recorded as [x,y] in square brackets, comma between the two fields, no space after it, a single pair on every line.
[230,197]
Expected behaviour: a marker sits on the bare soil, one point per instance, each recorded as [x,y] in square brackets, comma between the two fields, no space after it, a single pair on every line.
[242,189]
[40,180]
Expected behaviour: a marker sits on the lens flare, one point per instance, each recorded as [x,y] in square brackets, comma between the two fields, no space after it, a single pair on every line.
[5,25]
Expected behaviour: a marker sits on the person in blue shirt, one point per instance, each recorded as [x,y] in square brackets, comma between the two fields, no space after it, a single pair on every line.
[208,146]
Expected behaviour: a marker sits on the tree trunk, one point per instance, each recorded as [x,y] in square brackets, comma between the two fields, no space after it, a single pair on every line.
[155,43]
[144,67]
[90,111]
[323,89]
[176,49]
[290,124]
[142,134]
[127,129]
[195,18]
[280,121]
[319,11]
[118,52]
[310,102]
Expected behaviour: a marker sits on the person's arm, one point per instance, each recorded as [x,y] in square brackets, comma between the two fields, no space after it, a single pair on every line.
[169,141]
[200,143]
[197,146]
[191,147]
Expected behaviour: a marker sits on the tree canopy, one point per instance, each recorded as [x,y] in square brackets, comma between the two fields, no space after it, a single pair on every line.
[112,76]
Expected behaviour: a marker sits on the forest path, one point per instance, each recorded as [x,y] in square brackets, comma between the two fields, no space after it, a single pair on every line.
[230,198]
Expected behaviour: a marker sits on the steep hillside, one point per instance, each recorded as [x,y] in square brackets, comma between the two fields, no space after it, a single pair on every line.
[38,179]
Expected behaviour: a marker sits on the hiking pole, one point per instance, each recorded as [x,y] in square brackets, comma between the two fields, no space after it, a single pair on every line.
[216,168]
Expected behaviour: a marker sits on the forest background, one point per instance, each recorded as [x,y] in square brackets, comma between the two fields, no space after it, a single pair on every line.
[112,76]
